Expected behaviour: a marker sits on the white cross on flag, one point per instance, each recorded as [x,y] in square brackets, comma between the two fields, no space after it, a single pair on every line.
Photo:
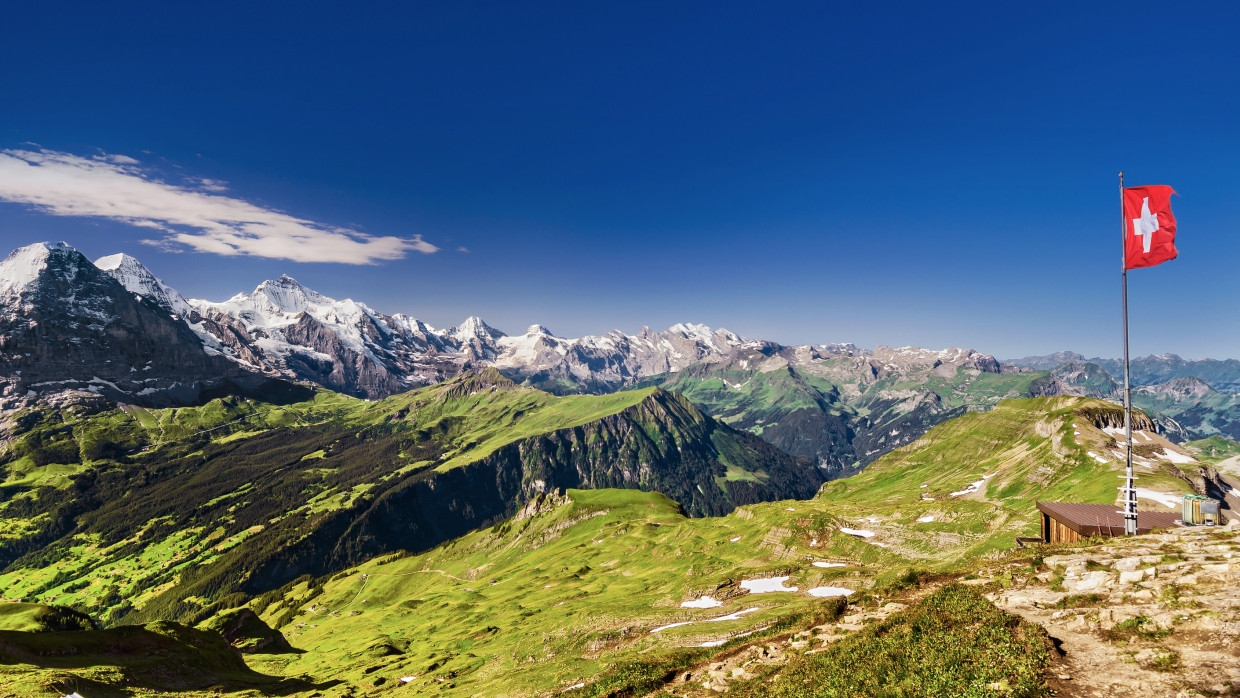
[1150,236]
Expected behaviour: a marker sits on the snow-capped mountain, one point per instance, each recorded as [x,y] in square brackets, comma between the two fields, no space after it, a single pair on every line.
[65,325]
[139,280]
[285,329]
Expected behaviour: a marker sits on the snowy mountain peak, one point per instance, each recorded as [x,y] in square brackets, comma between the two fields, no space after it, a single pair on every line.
[23,267]
[474,328]
[137,279]
[285,296]
[691,329]
[116,261]
[538,329]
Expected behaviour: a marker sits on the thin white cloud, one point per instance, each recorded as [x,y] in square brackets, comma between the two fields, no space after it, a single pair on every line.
[194,216]
[463,249]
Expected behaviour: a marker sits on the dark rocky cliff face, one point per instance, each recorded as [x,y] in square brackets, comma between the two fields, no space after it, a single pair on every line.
[346,370]
[77,328]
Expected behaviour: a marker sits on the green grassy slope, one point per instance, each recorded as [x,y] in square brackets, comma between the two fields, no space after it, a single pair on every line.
[199,505]
[572,594]
[1214,449]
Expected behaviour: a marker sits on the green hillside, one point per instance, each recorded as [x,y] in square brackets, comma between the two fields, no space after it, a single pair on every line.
[169,514]
[572,592]
[1214,449]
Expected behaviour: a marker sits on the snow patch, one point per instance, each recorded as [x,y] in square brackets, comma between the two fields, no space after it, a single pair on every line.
[925,519]
[767,585]
[1167,499]
[1097,457]
[824,592]
[829,564]
[1175,457]
[719,619]
[735,539]
[859,532]
[702,602]
[974,486]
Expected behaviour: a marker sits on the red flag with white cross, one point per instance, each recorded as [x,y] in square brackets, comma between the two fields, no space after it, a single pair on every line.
[1150,236]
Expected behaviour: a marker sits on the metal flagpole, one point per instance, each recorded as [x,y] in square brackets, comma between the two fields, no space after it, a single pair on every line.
[1130,493]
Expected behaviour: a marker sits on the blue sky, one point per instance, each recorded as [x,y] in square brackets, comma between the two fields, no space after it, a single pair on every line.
[931,174]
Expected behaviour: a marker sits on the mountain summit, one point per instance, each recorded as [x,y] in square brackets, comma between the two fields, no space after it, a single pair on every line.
[66,325]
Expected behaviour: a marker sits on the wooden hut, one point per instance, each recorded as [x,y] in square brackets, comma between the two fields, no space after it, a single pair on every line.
[1068,522]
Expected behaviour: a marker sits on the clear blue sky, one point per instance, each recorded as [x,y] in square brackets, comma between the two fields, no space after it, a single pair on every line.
[933,174]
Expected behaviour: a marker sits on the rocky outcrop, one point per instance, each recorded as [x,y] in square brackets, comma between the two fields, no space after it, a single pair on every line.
[70,326]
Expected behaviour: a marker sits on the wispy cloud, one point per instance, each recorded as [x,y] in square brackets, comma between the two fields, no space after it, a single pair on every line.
[194,215]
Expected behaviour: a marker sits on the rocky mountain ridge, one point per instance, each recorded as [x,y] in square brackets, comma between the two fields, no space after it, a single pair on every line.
[1186,405]
[67,326]
[1222,374]
[284,329]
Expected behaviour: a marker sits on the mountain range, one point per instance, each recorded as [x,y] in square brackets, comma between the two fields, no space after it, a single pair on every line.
[838,404]
[1166,387]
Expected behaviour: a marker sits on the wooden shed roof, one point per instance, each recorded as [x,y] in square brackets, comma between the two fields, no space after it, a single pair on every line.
[1105,519]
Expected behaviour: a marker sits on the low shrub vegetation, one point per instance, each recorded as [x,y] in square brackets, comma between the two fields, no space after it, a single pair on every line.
[952,643]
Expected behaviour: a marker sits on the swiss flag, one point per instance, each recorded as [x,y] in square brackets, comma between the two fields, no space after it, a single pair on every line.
[1149,236]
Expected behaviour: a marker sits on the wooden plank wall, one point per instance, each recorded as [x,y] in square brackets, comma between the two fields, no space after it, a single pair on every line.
[1060,533]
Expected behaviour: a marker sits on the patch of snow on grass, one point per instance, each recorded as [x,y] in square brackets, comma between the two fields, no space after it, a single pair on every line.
[732,616]
[974,486]
[703,602]
[669,626]
[859,532]
[1167,499]
[925,519]
[1175,457]
[735,539]
[824,592]
[712,643]
[408,679]
[1096,457]
[767,585]
[829,564]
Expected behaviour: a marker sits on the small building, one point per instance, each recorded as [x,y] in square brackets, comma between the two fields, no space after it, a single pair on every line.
[1068,522]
